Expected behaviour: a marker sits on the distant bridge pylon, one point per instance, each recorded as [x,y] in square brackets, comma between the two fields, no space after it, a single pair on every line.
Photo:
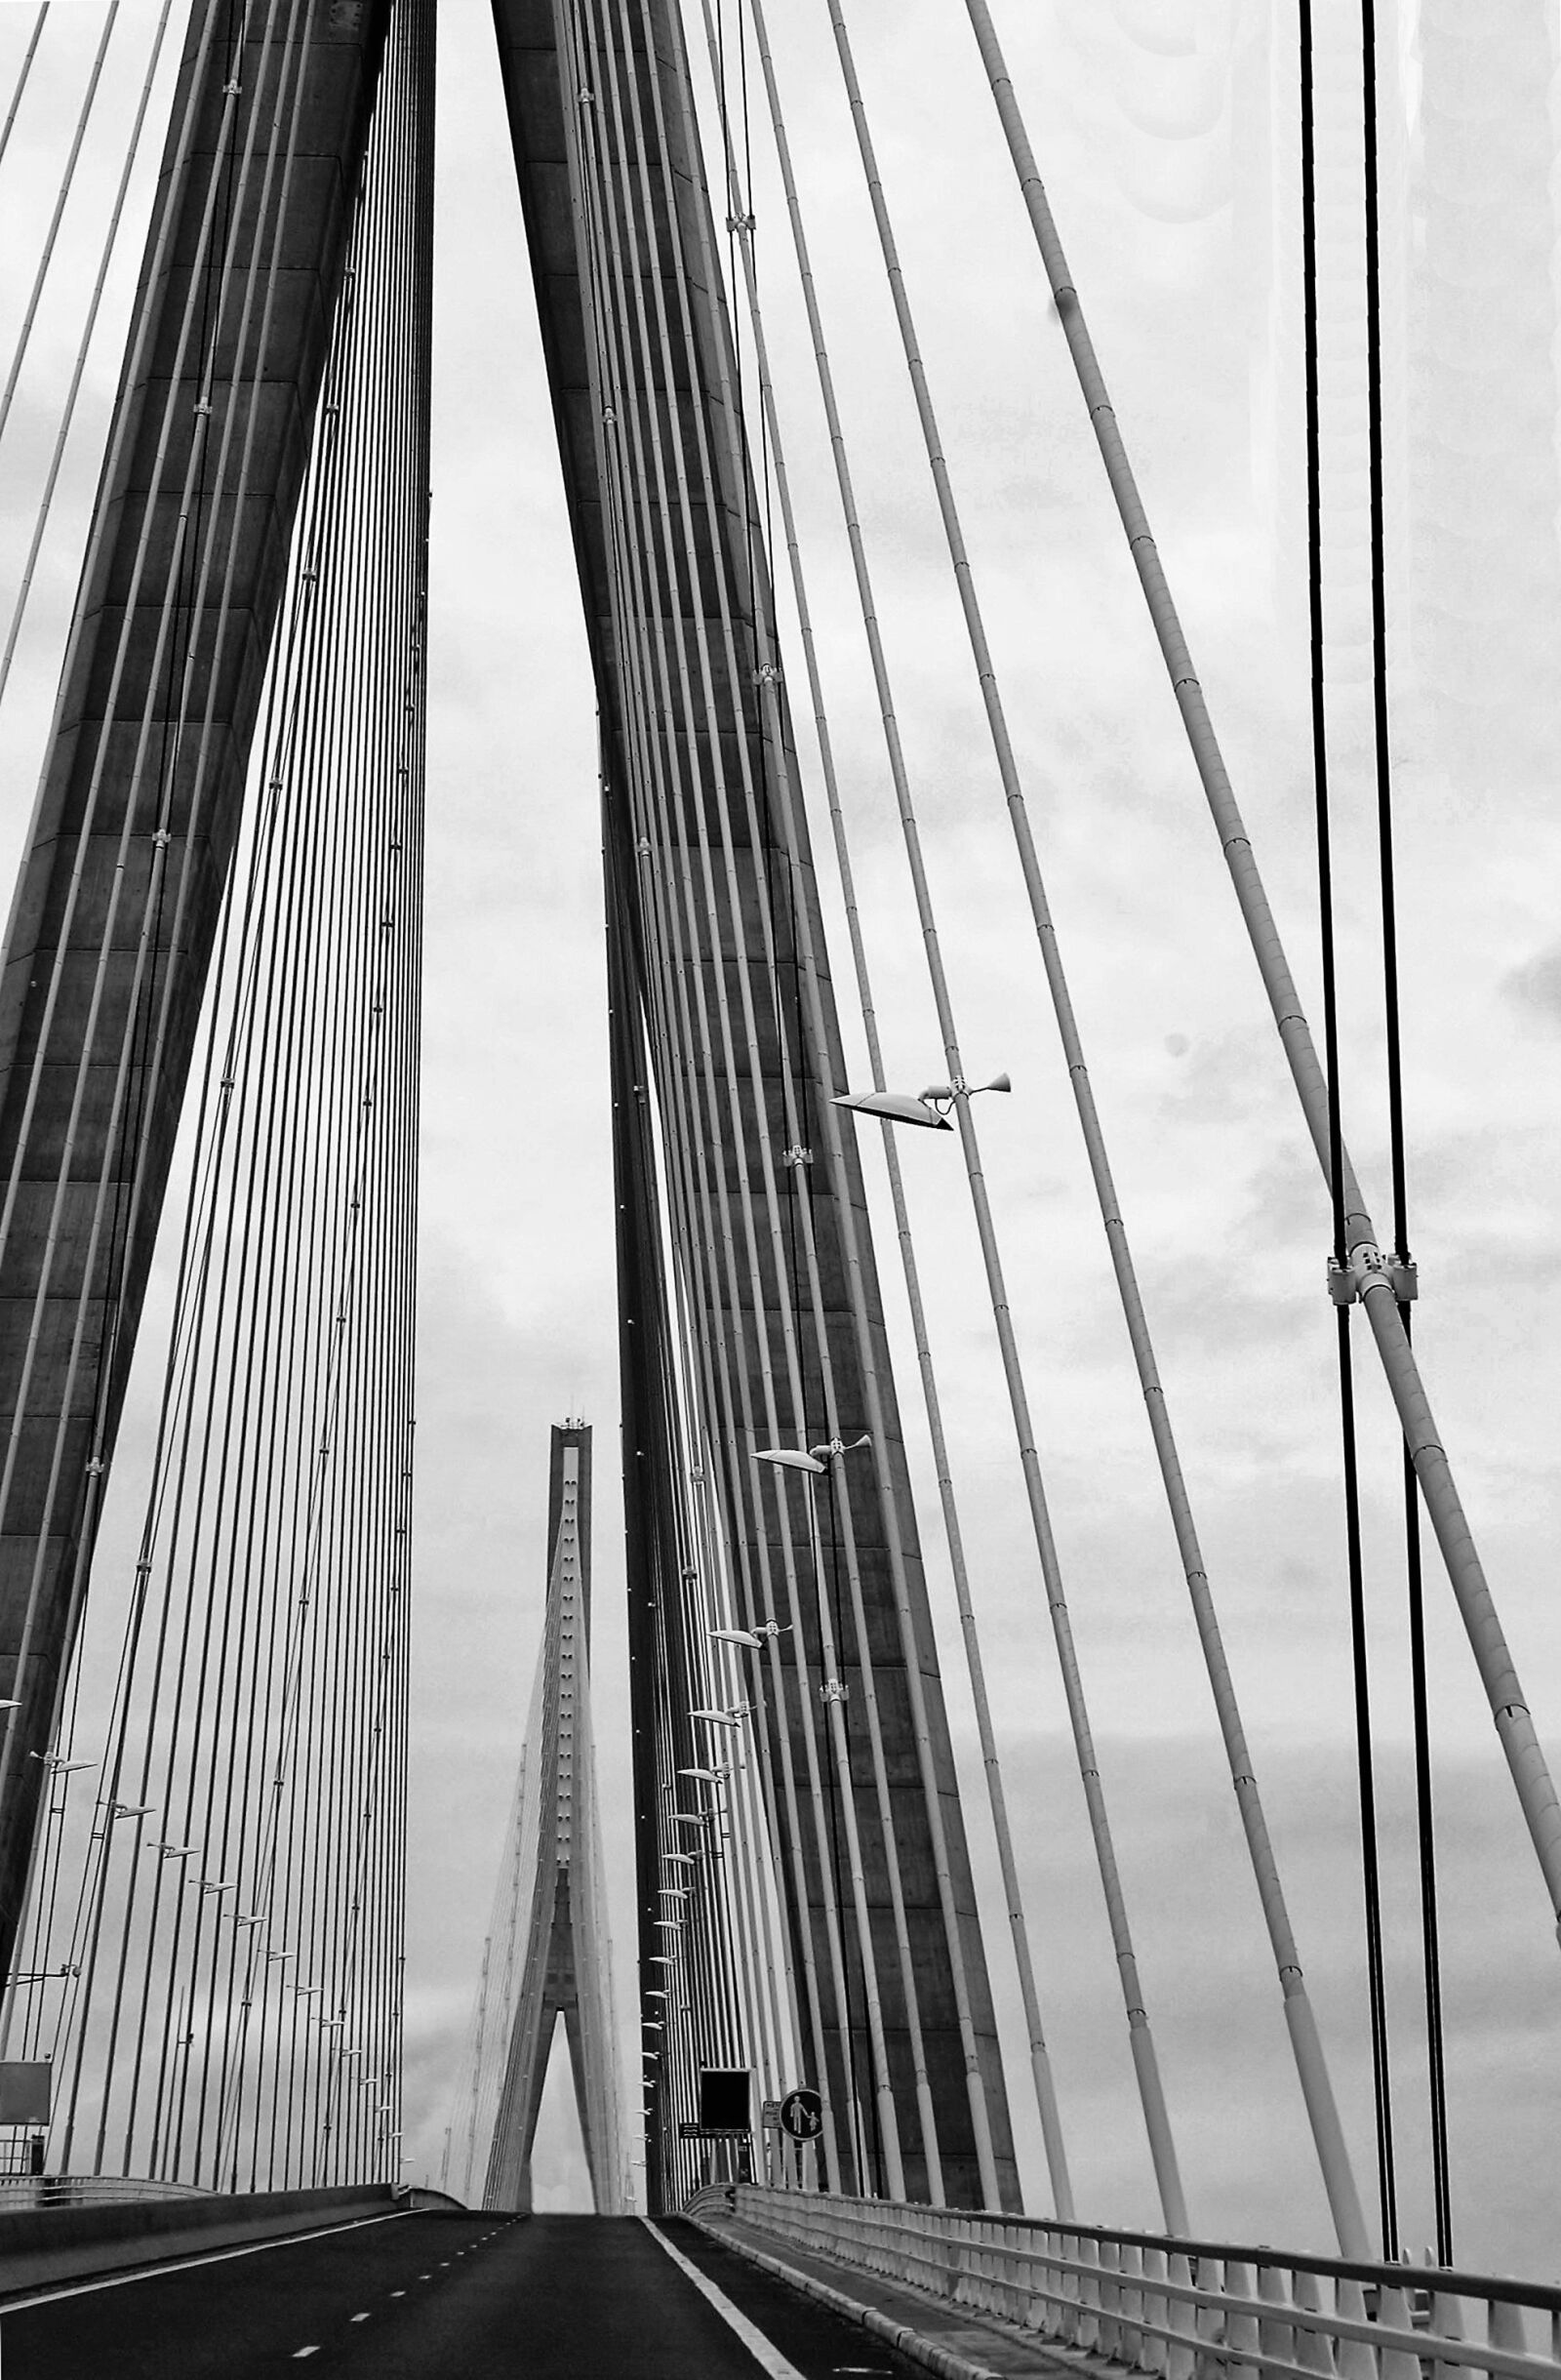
[557,1963]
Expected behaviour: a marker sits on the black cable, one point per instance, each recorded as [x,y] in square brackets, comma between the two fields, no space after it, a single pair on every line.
[1425,1820]
[1382,2080]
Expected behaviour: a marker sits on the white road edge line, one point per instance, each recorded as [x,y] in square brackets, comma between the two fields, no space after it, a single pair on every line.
[187,2264]
[769,2358]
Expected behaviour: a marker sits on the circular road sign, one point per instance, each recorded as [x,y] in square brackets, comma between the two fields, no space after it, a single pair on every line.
[802,2115]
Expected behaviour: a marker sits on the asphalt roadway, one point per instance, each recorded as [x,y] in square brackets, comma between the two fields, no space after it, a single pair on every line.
[447,2297]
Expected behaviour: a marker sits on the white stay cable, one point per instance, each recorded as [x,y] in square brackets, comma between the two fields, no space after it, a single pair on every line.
[69,412]
[700,703]
[730,413]
[1306,2046]
[1141,2038]
[22,74]
[45,259]
[709,1224]
[1370,1270]
[1040,2060]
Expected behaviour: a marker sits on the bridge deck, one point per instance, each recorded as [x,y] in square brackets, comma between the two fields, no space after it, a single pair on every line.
[423,2297]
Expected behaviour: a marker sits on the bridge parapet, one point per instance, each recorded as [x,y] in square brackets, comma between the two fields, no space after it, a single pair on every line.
[1186,2308]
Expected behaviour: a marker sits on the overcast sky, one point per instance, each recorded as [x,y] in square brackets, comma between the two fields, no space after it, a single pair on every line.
[1167,135]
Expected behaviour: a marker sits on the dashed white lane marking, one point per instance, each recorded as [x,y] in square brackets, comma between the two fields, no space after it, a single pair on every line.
[360,2317]
[300,2351]
[769,2358]
[398,2293]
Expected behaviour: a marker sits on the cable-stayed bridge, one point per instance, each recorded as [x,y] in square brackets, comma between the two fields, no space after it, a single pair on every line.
[212,1053]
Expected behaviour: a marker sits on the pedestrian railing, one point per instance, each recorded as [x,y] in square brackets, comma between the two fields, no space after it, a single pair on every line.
[1188,2310]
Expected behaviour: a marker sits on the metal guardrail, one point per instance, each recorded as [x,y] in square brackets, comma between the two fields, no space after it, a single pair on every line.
[22,2191]
[1188,2310]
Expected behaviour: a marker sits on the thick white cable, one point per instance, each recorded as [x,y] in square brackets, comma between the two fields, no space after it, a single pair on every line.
[142,961]
[22,74]
[706,1224]
[1140,2037]
[622,383]
[888,2112]
[731,411]
[69,412]
[45,259]
[1370,1270]
[1039,2059]
[171,208]
[1311,2065]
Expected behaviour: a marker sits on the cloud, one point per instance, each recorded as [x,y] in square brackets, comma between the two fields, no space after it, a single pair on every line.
[1536,985]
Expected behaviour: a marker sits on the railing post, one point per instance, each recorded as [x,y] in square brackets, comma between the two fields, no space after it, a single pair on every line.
[1110,2340]
[1039,2312]
[1066,2326]
[1357,2360]
[1447,2322]
[1505,2326]
[1276,2337]
[1087,2333]
[1314,2349]
[1241,2326]
[1394,2313]
[1182,2317]
[1130,2265]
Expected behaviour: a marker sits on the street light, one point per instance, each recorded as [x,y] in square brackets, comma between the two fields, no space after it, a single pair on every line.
[817,1459]
[929,1107]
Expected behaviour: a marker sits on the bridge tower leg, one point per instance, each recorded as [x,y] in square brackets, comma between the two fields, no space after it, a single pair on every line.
[115,912]
[701,783]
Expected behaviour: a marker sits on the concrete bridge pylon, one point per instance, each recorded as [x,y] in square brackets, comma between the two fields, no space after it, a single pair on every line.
[564,1971]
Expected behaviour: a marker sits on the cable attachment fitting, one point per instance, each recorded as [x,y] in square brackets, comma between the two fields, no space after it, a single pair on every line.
[161,838]
[796,1155]
[643,847]
[1367,1267]
[94,1466]
[766,674]
[609,417]
[834,1690]
[741,222]
[233,89]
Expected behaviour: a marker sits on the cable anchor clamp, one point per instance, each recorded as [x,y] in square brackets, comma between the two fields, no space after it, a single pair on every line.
[741,222]
[796,1155]
[643,847]
[1368,1265]
[202,410]
[609,417]
[94,1466]
[161,839]
[232,90]
[766,674]
[834,1690]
